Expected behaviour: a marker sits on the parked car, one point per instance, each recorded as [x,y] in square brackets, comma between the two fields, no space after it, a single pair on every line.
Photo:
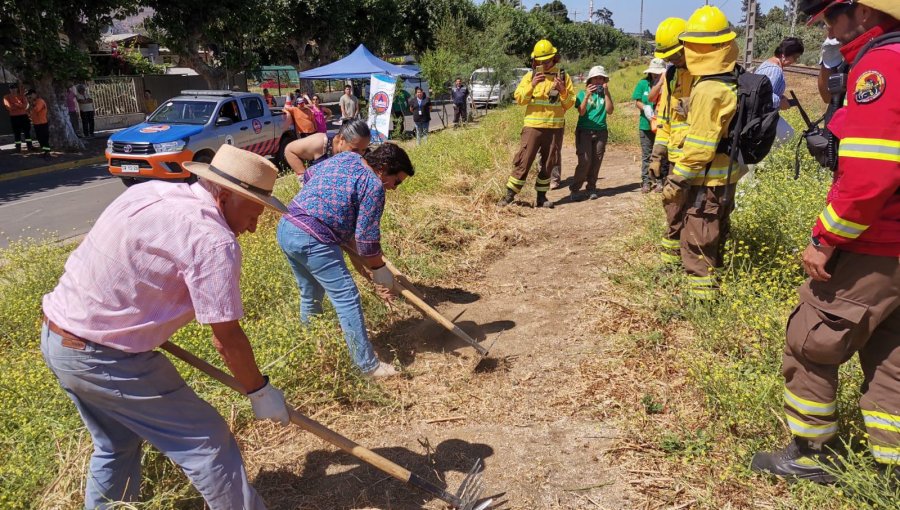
[484,89]
[192,127]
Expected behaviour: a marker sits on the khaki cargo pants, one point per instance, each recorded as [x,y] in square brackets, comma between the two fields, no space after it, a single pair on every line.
[703,233]
[547,141]
[857,310]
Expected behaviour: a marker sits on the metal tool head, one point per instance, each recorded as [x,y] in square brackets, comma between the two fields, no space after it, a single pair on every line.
[469,492]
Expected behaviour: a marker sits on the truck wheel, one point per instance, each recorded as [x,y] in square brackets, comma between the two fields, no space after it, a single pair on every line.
[203,157]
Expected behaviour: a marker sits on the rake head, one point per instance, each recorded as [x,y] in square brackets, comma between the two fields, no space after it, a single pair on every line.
[469,493]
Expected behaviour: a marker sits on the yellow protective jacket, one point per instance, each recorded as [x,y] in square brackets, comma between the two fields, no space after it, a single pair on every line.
[712,105]
[539,112]
[672,126]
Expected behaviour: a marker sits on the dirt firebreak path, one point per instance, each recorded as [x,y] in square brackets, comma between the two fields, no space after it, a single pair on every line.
[531,411]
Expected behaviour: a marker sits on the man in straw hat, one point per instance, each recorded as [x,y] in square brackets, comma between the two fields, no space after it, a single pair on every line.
[161,255]
[851,302]
[546,92]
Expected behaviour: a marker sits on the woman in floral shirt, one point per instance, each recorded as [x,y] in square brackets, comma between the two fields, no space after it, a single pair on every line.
[341,204]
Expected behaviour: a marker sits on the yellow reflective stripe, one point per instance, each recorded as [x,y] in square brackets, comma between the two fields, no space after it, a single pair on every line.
[661,140]
[680,125]
[542,181]
[546,120]
[839,226]
[668,258]
[687,173]
[885,454]
[798,428]
[870,148]
[883,421]
[516,181]
[719,171]
[808,407]
[676,150]
[670,243]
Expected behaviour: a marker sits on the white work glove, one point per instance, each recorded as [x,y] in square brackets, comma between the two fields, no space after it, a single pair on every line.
[648,112]
[268,404]
[831,56]
[383,276]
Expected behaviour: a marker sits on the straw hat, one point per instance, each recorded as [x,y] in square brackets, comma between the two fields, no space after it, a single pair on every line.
[243,172]
[657,66]
[597,71]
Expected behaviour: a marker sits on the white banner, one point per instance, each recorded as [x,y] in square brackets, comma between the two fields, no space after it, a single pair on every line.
[381,97]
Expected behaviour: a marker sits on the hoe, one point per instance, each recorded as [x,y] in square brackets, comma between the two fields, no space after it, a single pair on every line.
[468,497]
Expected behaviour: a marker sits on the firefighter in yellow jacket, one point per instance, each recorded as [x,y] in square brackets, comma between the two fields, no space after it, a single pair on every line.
[671,114]
[546,92]
[699,179]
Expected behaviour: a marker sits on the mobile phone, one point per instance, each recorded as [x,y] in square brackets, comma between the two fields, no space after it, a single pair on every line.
[539,69]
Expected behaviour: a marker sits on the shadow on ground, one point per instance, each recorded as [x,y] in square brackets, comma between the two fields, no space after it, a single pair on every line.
[337,480]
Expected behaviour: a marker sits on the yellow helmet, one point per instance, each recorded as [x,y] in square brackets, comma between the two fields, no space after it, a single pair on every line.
[543,50]
[708,25]
[667,42]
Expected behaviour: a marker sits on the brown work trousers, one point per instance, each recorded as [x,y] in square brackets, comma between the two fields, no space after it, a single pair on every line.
[703,234]
[857,310]
[670,244]
[547,141]
[590,147]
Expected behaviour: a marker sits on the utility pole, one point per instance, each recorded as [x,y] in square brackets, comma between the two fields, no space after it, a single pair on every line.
[750,34]
[591,11]
[794,17]
[641,32]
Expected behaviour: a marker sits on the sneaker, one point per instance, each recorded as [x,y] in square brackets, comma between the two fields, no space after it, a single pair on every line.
[645,188]
[593,195]
[799,460]
[381,371]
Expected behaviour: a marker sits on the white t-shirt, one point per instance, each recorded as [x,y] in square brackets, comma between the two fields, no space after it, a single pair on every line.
[85,107]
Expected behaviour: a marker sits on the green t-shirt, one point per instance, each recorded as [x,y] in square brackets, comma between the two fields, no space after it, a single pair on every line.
[642,94]
[594,118]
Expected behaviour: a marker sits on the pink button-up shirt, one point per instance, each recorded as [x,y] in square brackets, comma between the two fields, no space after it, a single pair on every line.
[160,255]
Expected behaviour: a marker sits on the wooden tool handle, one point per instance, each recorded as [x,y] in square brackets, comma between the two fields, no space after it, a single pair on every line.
[297,418]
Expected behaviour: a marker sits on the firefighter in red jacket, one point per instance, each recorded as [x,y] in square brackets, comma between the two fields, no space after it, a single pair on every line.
[851,303]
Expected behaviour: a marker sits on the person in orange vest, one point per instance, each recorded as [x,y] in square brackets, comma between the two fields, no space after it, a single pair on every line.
[17,106]
[304,122]
[37,110]
[270,100]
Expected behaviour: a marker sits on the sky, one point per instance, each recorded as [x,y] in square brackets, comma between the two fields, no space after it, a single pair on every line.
[626,13]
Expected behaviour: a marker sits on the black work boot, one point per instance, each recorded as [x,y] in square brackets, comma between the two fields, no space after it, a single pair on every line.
[542,200]
[508,199]
[799,460]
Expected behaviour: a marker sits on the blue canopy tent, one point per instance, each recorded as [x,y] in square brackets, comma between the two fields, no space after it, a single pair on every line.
[360,64]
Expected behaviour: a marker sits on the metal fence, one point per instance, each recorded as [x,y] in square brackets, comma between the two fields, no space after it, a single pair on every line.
[116,96]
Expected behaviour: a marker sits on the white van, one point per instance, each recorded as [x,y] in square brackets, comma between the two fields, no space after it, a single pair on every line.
[483,92]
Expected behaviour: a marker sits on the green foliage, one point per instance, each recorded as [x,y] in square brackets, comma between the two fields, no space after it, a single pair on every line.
[139,64]
[651,406]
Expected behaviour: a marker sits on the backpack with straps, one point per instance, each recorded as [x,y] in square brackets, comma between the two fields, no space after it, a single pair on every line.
[753,128]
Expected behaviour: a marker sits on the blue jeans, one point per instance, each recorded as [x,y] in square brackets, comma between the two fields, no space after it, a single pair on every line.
[127,398]
[421,132]
[320,269]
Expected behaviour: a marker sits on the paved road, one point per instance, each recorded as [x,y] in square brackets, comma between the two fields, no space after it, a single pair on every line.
[66,204]
[62,204]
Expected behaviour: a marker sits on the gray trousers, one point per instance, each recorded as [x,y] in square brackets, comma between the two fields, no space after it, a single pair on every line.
[647,138]
[125,399]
